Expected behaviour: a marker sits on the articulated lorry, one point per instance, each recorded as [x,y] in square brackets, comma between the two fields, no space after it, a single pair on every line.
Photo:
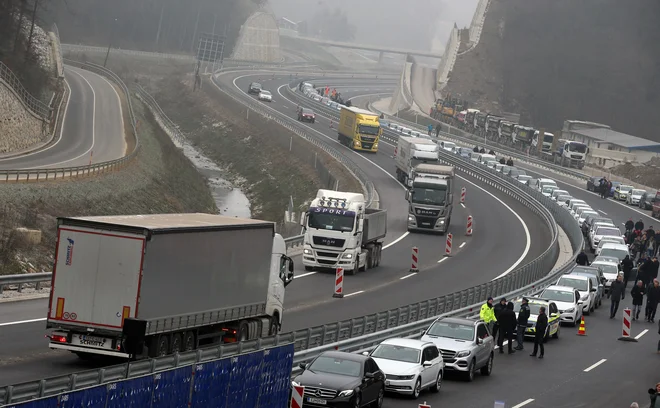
[150,285]
[430,197]
[359,129]
[341,232]
[411,151]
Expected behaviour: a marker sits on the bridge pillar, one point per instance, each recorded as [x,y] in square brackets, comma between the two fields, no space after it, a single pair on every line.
[380,57]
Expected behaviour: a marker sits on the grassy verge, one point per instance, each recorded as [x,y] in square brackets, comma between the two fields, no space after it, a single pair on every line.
[160,180]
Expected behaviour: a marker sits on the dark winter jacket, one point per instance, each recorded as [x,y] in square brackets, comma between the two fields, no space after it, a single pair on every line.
[507,318]
[637,294]
[617,291]
[652,295]
[639,225]
[582,259]
[645,271]
[541,324]
[523,314]
[653,270]
[498,308]
[630,224]
[650,233]
[655,398]
[627,266]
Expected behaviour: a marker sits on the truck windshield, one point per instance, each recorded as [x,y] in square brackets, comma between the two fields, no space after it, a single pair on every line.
[331,219]
[577,147]
[548,138]
[368,130]
[429,194]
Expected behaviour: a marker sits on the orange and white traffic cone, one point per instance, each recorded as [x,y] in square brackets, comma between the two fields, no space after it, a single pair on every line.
[582,331]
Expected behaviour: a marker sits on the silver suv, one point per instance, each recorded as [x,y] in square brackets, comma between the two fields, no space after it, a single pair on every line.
[466,345]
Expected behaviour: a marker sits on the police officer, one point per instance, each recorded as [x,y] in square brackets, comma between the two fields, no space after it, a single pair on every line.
[523,317]
[487,314]
[541,325]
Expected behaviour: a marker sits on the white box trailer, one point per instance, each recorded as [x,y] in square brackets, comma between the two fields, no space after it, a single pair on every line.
[410,152]
[170,282]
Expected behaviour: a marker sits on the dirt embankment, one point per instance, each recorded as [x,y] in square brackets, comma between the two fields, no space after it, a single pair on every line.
[160,180]
[646,174]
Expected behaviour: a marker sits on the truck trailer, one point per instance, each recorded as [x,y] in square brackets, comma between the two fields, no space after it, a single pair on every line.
[430,198]
[149,285]
[341,232]
[359,129]
[411,151]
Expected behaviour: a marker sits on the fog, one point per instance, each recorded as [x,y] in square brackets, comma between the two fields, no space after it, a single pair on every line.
[413,24]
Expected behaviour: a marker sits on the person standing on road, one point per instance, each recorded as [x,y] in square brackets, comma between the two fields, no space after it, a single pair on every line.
[487,314]
[654,394]
[437,131]
[497,310]
[507,322]
[582,259]
[523,318]
[430,127]
[652,299]
[617,291]
[630,224]
[627,266]
[644,270]
[637,294]
[539,336]
[639,226]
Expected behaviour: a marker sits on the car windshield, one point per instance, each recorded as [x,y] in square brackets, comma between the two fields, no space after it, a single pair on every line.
[558,295]
[549,189]
[331,219]
[586,213]
[396,353]
[307,111]
[256,85]
[265,93]
[579,284]
[611,240]
[433,195]
[557,193]
[452,330]
[615,253]
[606,267]
[625,188]
[608,231]
[524,177]
[334,365]
[638,192]
[534,308]
[449,145]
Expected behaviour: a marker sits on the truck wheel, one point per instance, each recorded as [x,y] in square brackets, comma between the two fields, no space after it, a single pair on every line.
[161,346]
[354,271]
[273,327]
[189,341]
[177,343]
[369,264]
[243,333]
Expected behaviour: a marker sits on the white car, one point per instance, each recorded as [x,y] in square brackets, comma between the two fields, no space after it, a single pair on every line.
[594,227]
[584,214]
[448,146]
[414,133]
[614,250]
[607,240]
[610,271]
[265,96]
[634,196]
[600,232]
[410,366]
[572,202]
[578,208]
[403,130]
[568,302]
[585,288]
[523,178]
[558,193]
[563,199]
[542,182]
[548,190]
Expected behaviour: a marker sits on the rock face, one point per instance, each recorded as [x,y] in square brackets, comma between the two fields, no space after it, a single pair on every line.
[19,128]
[259,39]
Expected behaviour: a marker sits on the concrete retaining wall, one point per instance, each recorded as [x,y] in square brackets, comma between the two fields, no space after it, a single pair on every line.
[402,97]
[449,57]
[259,39]
[19,128]
[478,22]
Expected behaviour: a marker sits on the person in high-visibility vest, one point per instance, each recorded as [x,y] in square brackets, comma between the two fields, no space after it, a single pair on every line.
[487,314]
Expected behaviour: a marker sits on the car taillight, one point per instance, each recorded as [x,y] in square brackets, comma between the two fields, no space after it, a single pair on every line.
[58,339]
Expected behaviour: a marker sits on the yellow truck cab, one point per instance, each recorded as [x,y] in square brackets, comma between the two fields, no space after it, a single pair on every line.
[359,129]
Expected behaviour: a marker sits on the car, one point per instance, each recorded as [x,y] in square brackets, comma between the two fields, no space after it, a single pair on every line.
[341,379]
[647,200]
[615,184]
[601,232]
[610,271]
[448,146]
[571,203]
[607,240]
[556,193]
[498,167]
[584,286]
[514,172]
[578,208]
[589,269]
[615,250]
[540,183]
[410,366]
[634,196]
[586,226]
[596,282]
[621,192]
[523,178]
[563,200]
[254,88]
[551,311]
[568,303]
[506,169]
[306,115]
[547,190]
[414,133]
[265,96]
[593,184]
[466,345]
[584,215]
[595,225]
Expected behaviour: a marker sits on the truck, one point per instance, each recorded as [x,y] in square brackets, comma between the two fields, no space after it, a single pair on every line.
[135,286]
[548,139]
[339,231]
[570,153]
[430,197]
[411,151]
[359,129]
[522,135]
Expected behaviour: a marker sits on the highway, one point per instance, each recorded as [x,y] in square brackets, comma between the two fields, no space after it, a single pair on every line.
[92,128]
[25,355]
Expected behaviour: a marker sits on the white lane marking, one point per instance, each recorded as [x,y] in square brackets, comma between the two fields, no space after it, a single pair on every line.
[602,212]
[93,128]
[462,205]
[121,112]
[462,245]
[639,336]
[408,276]
[522,404]
[405,234]
[22,322]
[586,370]
[354,293]
[304,274]
[443,259]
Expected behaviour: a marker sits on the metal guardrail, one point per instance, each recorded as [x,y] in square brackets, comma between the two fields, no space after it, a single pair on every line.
[47,174]
[35,106]
[366,331]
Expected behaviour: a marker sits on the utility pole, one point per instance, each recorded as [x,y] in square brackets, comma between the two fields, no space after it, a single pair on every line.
[160,22]
[34,17]
[112,35]
[192,42]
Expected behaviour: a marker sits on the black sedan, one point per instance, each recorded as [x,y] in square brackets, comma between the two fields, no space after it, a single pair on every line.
[647,200]
[306,115]
[593,184]
[339,379]
[255,88]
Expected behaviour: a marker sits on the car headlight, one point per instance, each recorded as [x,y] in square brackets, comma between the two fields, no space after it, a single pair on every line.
[346,393]
[307,251]
[295,384]
[347,256]
[411,218]
[571,310]
[584,297]
[463,353]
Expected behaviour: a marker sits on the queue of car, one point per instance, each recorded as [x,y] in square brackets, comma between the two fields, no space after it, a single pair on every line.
[646,200]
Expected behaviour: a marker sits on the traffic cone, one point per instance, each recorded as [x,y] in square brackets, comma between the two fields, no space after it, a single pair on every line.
[582,331]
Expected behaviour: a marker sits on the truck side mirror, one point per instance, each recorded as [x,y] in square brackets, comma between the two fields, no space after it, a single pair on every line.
[407,195]
[360,226]
[303,219]
[410,183]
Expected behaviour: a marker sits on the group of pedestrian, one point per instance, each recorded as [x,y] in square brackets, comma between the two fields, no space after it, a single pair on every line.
[604,187]
[654,395]
[501,319]
[643,244]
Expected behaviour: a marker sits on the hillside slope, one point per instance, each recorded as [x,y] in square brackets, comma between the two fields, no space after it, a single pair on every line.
[562,59]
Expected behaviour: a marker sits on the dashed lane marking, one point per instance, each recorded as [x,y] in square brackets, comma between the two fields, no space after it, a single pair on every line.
[354,293]
[462,245]
[639,336]
[522,404]
[462,205]
[304,274]
[408,276]
[443,259]
[586,370]
[22,322]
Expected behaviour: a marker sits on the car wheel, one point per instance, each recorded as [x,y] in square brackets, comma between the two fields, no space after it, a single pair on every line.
[556,335]
[469,375]
[417,390]
[587,313]
[379,401]
[488,368]
[357,402]
[438,383]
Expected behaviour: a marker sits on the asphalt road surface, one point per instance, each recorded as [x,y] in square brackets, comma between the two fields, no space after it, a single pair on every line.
[92,129]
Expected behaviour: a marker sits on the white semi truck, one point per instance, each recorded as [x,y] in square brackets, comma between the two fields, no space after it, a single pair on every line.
[410,152]
[150,285]
[430,197]
[341,232]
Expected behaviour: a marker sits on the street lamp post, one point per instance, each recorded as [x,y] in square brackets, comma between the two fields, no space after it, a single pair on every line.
[112,34]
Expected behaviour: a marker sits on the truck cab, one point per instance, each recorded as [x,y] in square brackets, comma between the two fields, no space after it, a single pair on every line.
[430,198]
[571,153]
[547,141]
